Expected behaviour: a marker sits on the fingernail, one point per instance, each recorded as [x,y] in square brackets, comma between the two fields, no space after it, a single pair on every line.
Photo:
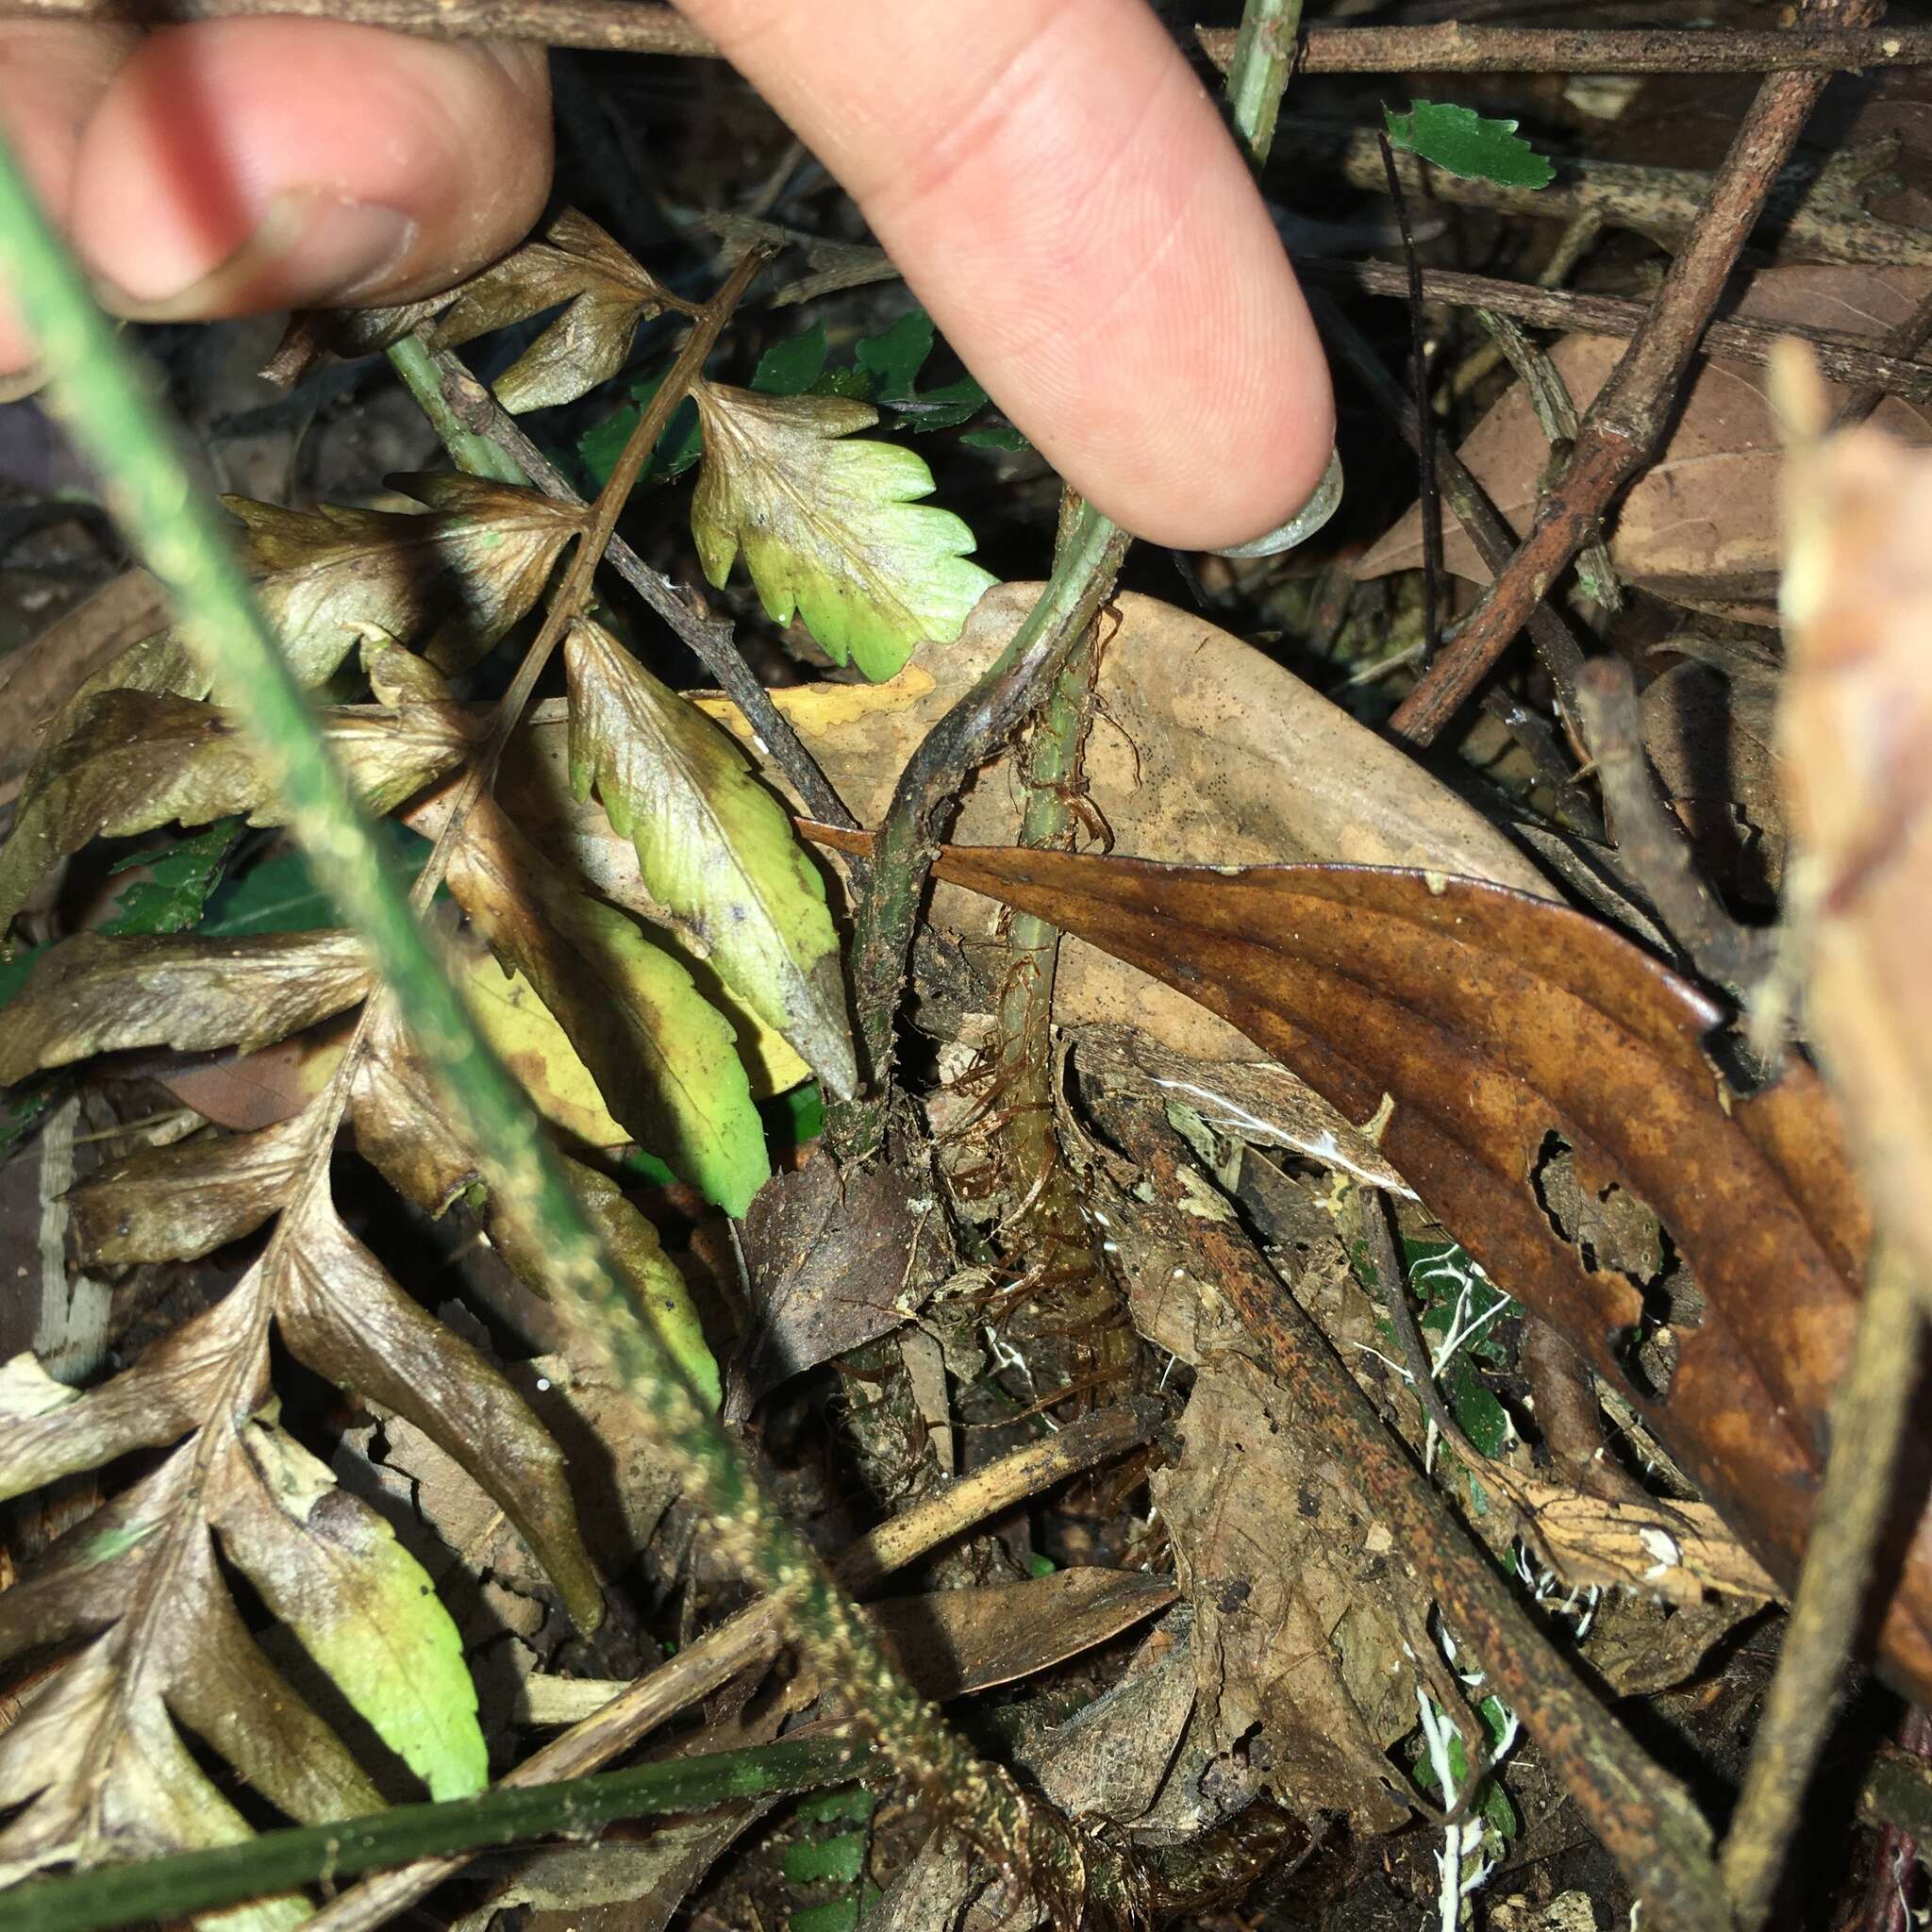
[309,247]
[1304,522]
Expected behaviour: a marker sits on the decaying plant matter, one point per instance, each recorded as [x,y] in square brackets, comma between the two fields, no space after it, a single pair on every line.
[1373,1247]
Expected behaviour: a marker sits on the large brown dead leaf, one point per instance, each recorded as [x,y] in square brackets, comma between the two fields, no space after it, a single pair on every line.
[1462,1026]
[1854,728]
[1701,528]
[1203,749]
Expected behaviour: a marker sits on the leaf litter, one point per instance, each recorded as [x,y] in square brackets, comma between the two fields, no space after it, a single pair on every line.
[1272,1682]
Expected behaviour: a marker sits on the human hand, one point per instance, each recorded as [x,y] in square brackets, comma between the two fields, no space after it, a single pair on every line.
[1057,184]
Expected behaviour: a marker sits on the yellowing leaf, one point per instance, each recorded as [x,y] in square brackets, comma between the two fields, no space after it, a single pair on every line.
[402,1130]
[664,1059]
[576,263]
[831,528]
[716,849]
[524,1033]
[633,1245]
[331,1569]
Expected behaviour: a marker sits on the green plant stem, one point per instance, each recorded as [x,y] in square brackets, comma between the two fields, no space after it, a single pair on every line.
[110,413]
[1257,75]
[171,1888]
[476,455]
[906,843]
[1869,1415]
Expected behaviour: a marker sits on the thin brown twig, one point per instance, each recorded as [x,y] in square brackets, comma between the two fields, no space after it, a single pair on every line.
[626,26]
[1424,416]
[1556,646]
[1642,1816]
[1870,1415]
[1651,840]
[1812,213]
[755,1633]
[1455,48]
[1625,422]
[1883,366]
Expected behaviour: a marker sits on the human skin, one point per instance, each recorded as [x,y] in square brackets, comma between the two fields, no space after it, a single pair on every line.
[1055,181]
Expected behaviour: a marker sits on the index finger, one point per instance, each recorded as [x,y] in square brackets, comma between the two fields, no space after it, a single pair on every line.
[1062,196]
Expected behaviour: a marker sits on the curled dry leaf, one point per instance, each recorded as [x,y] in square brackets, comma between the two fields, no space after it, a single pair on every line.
[1854,726]
[605,295]
[1463,1024]
[89,994]
[665,1060]
[715,849]
[832,528]
[1294,1634]
[1701,528]
[133,760]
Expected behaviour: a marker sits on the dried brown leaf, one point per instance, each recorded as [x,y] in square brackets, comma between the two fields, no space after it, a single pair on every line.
[179,1202]
[1469,1024]
[835,1257]
[1204,749]
[89,994]
[576,263]
[133,760]
[1290,1588]
[956,1642]
[1701,528]
[339,1312]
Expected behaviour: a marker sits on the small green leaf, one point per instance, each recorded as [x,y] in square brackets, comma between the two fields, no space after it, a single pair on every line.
[677,449]
[948,406]
[894,357]
[791,367]
[1460,140]
[176,891]
[844,1800]
[331,1569]
[831,526]
[716,849]
[840,1914]
[826,1861]
[280,893]
[1000,436]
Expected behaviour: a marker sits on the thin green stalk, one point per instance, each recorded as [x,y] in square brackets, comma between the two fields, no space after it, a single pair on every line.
[1010,686]
[476,455]
[1257,75]
[112,417]
[170,1888]
[1869,1416]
